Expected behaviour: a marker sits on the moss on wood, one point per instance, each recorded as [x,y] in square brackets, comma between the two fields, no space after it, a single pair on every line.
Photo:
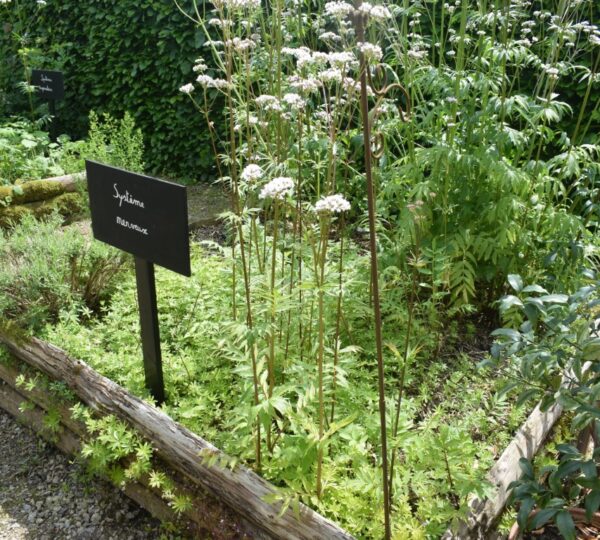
[37,190]
[68,205]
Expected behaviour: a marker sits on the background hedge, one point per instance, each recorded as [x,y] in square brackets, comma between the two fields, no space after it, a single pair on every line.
[117,56]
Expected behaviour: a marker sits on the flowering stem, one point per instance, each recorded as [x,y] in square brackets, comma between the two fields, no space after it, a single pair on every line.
[338,317]
[364,106]
[320,277]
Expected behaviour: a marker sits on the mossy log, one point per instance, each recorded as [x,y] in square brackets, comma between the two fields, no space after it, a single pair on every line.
[67,205]
[242,490]
[37,190]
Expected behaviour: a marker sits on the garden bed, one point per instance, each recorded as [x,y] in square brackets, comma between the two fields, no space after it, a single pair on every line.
[241,490]
[180,449]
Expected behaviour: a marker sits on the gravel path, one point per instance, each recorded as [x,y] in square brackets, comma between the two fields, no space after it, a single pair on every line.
[43,496]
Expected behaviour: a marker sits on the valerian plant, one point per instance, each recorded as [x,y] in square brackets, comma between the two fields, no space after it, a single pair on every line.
[459,133]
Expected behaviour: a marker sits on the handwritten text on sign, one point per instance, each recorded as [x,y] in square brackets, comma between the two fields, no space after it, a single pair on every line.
[139,214]
[48,84]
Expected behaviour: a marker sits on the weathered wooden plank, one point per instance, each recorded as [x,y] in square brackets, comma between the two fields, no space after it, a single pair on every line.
[69,443]
[526,444]
[241,489]
[70,182]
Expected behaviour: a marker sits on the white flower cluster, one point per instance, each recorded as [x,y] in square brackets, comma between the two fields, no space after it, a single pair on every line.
[268,103]
[209,82]
[185,89]
[338,9]
[294,101]
[200,66]
[552,72]
[251,173]
[330,36]
[240,45]
[331,75]
[377,13]
[307,85]
[307,58]
[332,204]
[278,188]
[370,51]
[342,60]
[237,5]
[5,1]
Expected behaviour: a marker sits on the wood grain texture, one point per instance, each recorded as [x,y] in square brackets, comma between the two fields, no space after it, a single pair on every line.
[525,444]
[241,489]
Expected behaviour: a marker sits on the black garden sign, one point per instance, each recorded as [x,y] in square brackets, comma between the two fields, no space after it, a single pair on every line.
[148,218]
[50,86]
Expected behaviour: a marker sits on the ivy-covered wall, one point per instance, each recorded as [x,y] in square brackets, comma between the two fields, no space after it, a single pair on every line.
[117,56]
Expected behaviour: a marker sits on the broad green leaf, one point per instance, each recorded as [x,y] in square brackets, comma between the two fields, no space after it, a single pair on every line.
[524,511]
[542,517]
[509,301]
[516,282]
[592,502]
[565,525]
[555,298]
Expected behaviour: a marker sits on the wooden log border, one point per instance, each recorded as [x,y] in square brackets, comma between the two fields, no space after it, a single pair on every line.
[527,442]
[206,517]
[240,489]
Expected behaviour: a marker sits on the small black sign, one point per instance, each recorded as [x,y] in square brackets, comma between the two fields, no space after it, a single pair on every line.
[139,214]
[49,84]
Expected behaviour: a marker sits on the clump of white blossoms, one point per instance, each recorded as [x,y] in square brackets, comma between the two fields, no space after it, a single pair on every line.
[200,66]
[332,204]
[252,173]
[370,51]
[237,5]
[331,75]
[278,188]
[268,103]
[338,9]
[187,88]
[377,13]
[209,82]
[294,101]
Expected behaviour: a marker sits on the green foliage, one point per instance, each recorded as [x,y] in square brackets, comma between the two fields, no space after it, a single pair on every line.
[555,357]
[45,269]
[443,425]
[134,57]
[110,140]
[26,153]
[114,450]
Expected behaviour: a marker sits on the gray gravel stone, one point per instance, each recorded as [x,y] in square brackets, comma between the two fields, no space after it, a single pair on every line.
[45,496]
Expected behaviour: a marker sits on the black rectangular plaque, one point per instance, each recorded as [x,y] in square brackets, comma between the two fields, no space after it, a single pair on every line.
[139,214]
[146,217]
[49,84]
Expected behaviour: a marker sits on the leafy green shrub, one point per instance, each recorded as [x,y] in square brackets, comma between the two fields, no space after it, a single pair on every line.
[554,356]
[110,140]
[26,153]
[45,269]
[117,57]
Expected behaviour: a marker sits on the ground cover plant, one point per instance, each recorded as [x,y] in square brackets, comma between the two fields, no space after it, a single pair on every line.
[27,153]
[443,428]
[484,167]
